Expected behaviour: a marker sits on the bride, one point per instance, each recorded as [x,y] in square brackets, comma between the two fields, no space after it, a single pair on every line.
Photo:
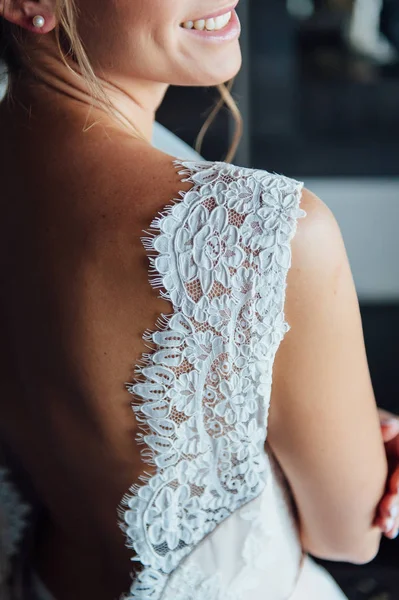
[251,436]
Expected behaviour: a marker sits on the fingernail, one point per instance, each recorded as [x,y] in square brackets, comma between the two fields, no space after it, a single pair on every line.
[394,512]
[395,534]
[389,523]
[389,422]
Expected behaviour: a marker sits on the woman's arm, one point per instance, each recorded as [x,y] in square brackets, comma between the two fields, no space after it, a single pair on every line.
[324,426]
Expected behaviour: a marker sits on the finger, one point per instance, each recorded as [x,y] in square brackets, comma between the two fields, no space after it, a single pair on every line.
[394,482]
[388,529]
[385,415]
[393,534]
[387,526]
[395,528]
[388,513]
[388,532]
[395,525]
[389,429]
[387,506]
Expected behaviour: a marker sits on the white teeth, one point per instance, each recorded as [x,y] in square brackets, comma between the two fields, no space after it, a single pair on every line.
[222,21]
[199,25]
[209,24]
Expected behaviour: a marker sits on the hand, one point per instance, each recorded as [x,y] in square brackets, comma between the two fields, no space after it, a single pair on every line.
[388,511]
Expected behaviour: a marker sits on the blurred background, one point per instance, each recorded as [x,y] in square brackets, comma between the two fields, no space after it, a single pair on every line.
[319,93]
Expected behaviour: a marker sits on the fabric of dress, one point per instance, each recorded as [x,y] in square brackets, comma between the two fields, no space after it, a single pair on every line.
[168,142]
[13,520]
[215,520]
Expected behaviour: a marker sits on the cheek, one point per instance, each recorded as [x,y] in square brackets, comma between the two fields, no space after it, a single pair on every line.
[148,36]
[142,39]
[149,16]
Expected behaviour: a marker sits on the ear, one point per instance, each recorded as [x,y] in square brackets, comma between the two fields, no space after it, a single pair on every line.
[22,12]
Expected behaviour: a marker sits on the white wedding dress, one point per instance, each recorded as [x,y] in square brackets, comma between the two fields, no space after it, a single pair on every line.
[216,520]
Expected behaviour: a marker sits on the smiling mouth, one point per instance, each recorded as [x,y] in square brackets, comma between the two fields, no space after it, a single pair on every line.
[213,24]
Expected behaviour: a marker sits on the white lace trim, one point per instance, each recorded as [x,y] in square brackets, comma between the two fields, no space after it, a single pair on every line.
[221,253]
[189,582]
[254,561]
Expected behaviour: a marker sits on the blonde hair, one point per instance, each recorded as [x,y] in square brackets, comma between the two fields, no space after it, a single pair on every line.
[73,53]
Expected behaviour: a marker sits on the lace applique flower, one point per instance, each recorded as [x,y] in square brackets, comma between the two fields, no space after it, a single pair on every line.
[184,393]
[270,292]
[189,440]
[148,584]
[246,439]
[254,232]
[208,247]
[219,314]
[243,195]
[237,403]
[271,332]
[215,191]
[281,205]
[275,255]
[277,213]
[244,282]
[173,517]
[190,584]
[201,346]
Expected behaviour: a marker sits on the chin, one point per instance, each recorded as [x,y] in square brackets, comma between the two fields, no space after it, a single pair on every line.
[225,74]
[220,71]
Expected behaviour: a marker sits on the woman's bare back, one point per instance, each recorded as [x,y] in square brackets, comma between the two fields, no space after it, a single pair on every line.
[74,208]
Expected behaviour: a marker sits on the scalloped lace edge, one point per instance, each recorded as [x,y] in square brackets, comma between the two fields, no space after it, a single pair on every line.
[161,324]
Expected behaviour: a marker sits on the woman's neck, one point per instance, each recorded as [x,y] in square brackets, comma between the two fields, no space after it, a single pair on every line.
[53,87]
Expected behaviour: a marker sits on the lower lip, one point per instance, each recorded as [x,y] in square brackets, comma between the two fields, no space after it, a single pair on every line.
[230,32]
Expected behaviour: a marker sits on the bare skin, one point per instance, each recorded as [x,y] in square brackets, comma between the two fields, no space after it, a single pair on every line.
[321,388]
[71,242]
[75,301]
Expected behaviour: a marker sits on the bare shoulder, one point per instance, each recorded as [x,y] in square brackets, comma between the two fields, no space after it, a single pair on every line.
[319,229]
[132,179]
[112,190]
[107,191]
[318,249]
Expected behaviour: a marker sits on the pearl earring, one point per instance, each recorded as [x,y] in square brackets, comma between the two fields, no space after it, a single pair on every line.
[38,21]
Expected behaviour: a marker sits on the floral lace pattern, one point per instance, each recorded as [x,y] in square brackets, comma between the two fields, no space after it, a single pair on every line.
[189,582]
[221,254]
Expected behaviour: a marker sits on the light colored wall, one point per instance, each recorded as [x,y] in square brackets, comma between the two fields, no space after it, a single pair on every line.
[368,213]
